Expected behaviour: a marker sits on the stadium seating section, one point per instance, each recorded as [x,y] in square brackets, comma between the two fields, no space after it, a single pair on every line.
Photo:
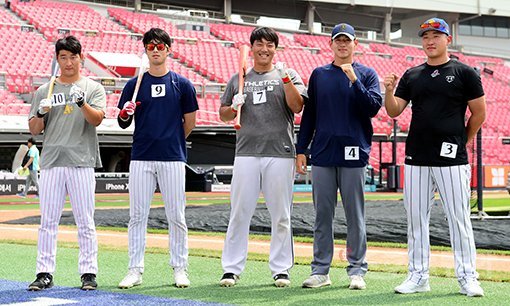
[29,30]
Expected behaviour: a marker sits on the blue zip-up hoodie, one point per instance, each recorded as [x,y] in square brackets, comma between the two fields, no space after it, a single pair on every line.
[338,115]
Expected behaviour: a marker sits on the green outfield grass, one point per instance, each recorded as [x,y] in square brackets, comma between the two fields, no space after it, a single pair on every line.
[256,286]
[495,205]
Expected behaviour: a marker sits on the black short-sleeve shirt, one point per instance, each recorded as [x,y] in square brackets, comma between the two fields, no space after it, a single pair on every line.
[439,97]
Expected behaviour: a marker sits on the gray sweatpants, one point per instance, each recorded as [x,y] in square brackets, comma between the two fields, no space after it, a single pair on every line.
[326,182]
[31,178]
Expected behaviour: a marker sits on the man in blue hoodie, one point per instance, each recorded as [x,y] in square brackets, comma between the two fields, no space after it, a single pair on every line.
[343,97]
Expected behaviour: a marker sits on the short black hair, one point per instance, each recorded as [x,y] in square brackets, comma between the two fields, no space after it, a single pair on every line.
[68,43]
[157,35]
[32,141]
[266,33]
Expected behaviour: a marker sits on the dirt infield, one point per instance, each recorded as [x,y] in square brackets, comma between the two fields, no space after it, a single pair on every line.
[375,255]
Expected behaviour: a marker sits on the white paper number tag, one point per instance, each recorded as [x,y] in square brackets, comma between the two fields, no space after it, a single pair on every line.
[448,150]
[351,153]
[58,99]
[158,90]
[259,97]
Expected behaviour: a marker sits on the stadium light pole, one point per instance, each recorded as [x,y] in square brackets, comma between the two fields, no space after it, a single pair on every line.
[310,17]
[479,167]
[387,26]
[479,172]
[227,10]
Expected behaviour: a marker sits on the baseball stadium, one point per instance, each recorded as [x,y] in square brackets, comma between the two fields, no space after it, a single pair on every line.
[193,246]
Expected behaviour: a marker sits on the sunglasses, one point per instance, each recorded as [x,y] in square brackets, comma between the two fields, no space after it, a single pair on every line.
[151,47]
[432,24]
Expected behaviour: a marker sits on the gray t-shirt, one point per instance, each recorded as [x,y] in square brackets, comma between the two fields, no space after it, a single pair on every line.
[69,140]
[267,123]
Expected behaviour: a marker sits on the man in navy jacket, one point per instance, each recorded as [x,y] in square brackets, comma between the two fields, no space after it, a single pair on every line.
[343,97]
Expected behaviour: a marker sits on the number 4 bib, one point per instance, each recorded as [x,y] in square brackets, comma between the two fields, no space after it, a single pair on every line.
[351,153]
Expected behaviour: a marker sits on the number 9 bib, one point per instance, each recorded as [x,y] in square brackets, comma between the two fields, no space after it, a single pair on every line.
[158,90]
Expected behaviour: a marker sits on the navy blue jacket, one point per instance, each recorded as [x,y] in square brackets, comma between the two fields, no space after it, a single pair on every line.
[159,131]
[337,116]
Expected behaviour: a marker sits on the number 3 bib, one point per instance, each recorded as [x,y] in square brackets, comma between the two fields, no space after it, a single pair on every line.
[448,150]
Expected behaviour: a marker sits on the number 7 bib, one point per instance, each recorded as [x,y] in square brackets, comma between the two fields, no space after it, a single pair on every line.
[259,97]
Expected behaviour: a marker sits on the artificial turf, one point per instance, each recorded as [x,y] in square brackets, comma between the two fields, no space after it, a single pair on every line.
[255,288]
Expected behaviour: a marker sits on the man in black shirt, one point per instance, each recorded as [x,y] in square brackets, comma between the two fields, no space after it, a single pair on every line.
[440,91]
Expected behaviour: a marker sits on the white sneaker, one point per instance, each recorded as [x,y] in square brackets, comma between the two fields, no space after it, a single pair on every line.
[471,288]
[357,282]
[133,278]
[408,286]
[181,278]
[317,281]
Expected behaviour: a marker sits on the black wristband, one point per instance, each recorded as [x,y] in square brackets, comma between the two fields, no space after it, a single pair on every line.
[39,115]
[80,102]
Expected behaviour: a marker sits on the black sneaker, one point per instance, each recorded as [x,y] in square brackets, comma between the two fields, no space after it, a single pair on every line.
[282,280]
[42,281]
[88,281]
[229,280]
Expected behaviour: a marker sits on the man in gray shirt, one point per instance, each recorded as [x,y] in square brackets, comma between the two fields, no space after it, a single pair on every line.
[264,158]
[68,112]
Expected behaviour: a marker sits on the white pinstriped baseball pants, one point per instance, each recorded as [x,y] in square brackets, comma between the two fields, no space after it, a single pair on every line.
[143,177]
[452,183]
[275,178]
[55,184]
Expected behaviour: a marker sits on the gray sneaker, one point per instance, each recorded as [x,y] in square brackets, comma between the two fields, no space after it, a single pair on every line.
[357,282]
[317,281]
